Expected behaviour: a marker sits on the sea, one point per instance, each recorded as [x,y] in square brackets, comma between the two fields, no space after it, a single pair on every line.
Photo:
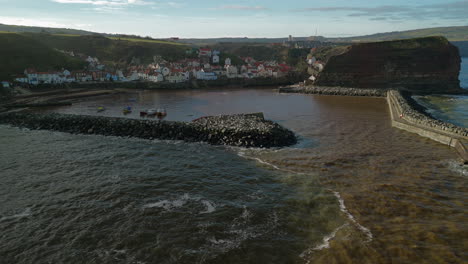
[353,190]
[453,109]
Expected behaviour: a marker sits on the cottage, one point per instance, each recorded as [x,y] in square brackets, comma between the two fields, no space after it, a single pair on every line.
[156,77]
[21,79]
[205,52]
[227,61]
[31,74]
[232,71]
[215,59]
[5,84]
[48,77]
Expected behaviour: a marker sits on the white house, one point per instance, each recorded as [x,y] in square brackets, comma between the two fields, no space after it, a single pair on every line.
[165,71]
[134,76]
[48,77]
[22,79]
[227,61]
[215,59]
[156,77]
[176,78]
[232,71]
[31,74]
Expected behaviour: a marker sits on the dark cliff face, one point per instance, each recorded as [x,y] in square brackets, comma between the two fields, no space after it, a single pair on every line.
[424,65]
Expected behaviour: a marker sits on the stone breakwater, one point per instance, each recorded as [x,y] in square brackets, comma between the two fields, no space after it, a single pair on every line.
[233,130]
[407,109]
[334,91]
[406,114]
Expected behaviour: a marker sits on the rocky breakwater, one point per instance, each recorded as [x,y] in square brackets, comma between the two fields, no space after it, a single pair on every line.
[334,91]
[250,130]
[411,111]
[408,115]
[422,65]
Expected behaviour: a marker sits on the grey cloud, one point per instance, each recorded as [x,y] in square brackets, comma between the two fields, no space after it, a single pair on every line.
[448,11]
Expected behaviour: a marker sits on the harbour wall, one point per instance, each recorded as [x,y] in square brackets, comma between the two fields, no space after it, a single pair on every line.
[405,116]
[345,91]
[250,130]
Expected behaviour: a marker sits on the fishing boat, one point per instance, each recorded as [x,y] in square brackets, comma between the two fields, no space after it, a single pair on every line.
[149,113]
[127,110]
[161,113]
[101,109]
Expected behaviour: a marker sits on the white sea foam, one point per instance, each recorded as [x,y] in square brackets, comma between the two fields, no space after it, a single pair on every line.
[343,209]
[25,213]
[170,204]
[210,207]
[325,243]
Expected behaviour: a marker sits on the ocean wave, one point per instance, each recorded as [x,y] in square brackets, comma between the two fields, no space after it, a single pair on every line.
[325,244]
[210,207]
[25,213]
[170,205]
[343,209]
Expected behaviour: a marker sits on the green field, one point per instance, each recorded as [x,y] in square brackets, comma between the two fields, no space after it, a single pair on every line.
[146,40]
[18,52]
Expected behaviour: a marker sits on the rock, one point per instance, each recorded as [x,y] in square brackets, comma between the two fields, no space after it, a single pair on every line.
[218,130]
[422,65]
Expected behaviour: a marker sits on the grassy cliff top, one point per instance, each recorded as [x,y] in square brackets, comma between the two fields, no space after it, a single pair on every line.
[40,50]
[18,52]
[425,42]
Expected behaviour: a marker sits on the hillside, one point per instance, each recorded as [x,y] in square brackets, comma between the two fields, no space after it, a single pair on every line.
[22,29]
[450,33]
[18,52]
[113,51]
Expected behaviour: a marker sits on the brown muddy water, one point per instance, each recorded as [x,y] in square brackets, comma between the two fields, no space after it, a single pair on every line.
[354,190]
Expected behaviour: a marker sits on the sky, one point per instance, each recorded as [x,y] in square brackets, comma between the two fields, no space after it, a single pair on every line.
[241,18]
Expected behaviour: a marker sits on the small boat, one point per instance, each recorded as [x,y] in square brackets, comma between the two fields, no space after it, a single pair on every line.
[148,113]
[127,110]
[101,109]
[161,113]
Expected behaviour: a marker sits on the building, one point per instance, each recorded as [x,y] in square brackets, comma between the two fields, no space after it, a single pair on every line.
[227,61]
[205,52]
[215,59]
[5,84]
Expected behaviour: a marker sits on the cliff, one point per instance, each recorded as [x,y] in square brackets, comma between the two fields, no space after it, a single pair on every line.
[423,65]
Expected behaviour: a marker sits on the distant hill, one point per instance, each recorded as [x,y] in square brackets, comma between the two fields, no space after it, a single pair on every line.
[451,33]
[21,29]
[19,52]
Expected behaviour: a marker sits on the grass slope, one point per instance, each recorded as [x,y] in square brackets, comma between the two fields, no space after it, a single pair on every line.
[113,51]
[18,52]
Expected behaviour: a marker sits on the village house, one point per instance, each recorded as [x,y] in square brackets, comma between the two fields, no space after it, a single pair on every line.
[31,75]
[215,59]
[5,84]
[156,77]
[205,52]
[21,79]
[232,71]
